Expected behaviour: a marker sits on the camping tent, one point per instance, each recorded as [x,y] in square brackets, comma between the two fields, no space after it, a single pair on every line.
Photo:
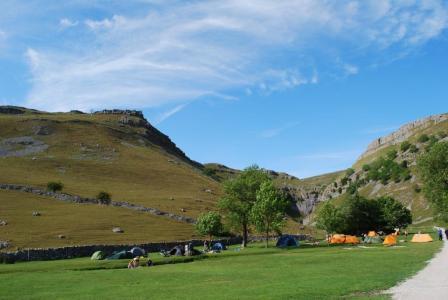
[373,240]
[351,239]
[137,251]
[372,234]
[121,255]
[343,239]
[98,255]
[337,239]
[218,247]
[421,238]
[287,241]
[177,251]
[390,240]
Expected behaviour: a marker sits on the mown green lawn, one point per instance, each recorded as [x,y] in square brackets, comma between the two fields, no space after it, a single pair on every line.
[305,273]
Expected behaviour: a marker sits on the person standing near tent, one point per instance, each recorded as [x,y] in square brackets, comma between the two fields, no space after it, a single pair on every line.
[446,233]
[134,263]
[439,231]
[406,235]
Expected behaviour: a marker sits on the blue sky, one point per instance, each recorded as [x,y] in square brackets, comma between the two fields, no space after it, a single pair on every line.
[296,86]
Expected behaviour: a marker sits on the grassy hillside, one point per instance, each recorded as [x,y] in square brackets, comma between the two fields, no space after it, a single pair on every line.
[120,154]
[92,153]
[403,183]
[81,224]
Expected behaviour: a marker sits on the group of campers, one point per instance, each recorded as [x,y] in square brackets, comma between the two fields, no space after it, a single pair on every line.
[137,254]
[373,237]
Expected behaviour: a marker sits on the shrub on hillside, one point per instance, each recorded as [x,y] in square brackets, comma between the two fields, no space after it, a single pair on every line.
[392,154]
[413,148]
[349,172]
[423,138]
[54,186]
[405,146]
[366,167]
[442,134]
[104,198]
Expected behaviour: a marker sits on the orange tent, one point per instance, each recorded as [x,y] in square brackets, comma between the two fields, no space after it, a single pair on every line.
[421,238]
[344,239]
[351,239]
[390,240]
[337,239]
[371,234]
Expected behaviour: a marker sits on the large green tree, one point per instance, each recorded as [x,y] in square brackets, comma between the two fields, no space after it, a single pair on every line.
[268,211]
[433,169]
[209,224]
[393,214]
[329,218]
[240,194]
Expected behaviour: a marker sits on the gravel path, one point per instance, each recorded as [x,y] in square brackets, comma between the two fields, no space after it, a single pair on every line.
[431,283]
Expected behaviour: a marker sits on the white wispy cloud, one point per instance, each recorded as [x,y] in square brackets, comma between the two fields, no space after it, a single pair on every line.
[181,51]
[165,115]
[66,23]
[273,132]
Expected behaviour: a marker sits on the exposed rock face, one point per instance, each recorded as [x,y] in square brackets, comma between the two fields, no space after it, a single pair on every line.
[21,146]
[403,133]
[135,118]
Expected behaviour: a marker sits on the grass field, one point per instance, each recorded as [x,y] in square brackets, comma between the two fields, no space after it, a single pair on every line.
[82,224]
[305,273]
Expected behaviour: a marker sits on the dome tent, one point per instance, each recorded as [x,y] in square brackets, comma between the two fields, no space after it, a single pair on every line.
[373,240]
[137,251]
[98,255]
[287,241]
[390,240]
[219,247]
[421,238]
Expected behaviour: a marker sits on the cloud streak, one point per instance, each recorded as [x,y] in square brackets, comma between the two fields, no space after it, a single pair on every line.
[176,53]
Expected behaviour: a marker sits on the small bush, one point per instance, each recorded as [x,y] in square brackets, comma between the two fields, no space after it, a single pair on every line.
[366,167]
[405,146]
[392,154]
[349,172]
[413,148]
[104,198]
[54,186]
[417,188]
[344,181]
[423,138]
[442,134]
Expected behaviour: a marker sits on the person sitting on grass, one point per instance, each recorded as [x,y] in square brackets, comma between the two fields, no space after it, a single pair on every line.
[134,263]
[206,246]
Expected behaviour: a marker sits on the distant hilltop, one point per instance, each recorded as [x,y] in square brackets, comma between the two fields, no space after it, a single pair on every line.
[403,133]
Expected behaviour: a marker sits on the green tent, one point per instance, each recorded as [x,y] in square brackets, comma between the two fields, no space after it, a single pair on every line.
[98,255]
[373,240]
[121,255]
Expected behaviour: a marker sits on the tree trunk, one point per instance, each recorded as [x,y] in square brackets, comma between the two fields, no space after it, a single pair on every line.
[244,245]
[267,236]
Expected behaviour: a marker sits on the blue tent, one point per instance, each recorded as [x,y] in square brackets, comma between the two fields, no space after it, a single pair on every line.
[137,251]
[287,241]
[218,247]
[121,255]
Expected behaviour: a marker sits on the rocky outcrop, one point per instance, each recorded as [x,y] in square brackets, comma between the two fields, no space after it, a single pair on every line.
[135,118]
[403,133]
[21,146]
[84,200]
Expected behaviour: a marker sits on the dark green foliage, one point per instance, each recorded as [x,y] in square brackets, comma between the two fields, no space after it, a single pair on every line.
[366,167]
[268,212]
[413,148]
[340,190]
[359,215]
[431,142]
[209,224]
[417,188]
[344,181]
[423,138]
[349,172]
[335,184]
[433,169]
[54,186]
[393,214]
[104,198]
[405,146]
[442,134]
[392,154]
[240,194]
[210,172]
[386,169]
